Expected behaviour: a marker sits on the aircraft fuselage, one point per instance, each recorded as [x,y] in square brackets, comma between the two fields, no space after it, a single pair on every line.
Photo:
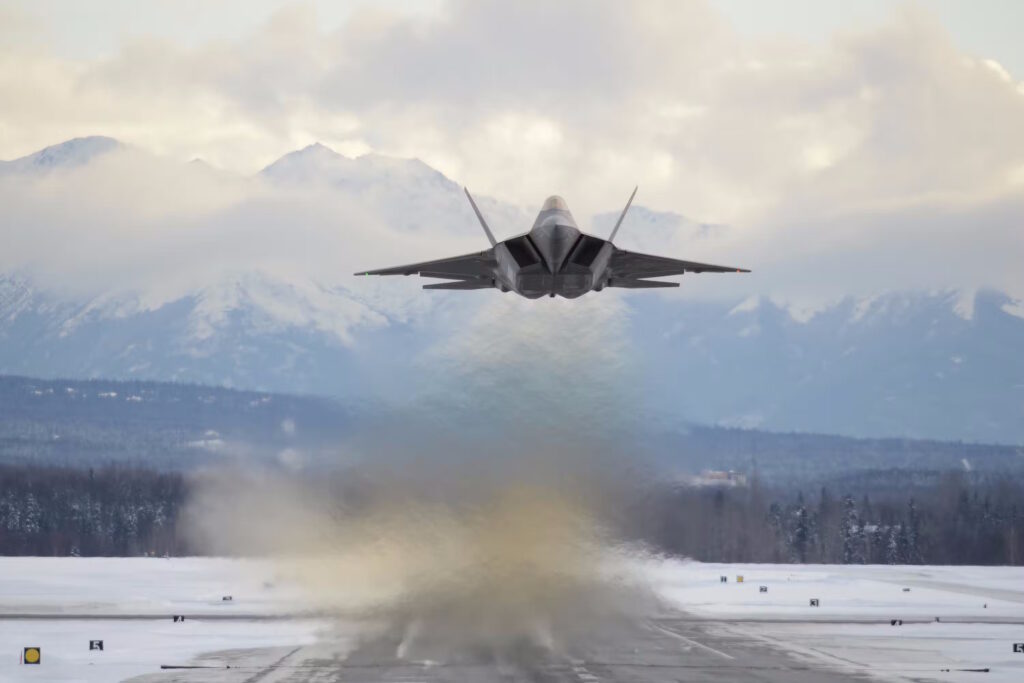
[553,258]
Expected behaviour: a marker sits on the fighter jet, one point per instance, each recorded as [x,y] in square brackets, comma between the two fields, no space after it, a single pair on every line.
[553,258]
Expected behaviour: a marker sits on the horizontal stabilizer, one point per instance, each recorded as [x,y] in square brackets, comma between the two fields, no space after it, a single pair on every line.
[480,264]
[631,265]
[462,284]
[451,275]
[639,284]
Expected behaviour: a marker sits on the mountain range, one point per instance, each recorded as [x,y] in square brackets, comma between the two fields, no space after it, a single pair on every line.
[178,426]
[933,365]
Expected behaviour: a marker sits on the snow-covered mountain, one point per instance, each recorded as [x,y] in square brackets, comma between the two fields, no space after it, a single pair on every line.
[941,365]
[906,364]
[406,193]
[249,330]
[75,152]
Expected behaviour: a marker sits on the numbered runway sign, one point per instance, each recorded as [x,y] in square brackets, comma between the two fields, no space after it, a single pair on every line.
[763,589]
[1018,647]
[96,645]
[814,602]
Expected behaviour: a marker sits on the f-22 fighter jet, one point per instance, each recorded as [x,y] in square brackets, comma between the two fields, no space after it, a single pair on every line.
[553,258]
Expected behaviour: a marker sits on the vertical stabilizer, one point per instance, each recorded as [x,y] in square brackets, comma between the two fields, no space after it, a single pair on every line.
[618,223]
[480,217]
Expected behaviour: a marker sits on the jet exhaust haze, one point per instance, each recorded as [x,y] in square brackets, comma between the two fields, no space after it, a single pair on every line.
[486,517]
[500,564]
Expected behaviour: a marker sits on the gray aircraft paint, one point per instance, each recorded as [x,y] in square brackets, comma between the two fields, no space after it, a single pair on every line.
[554,258]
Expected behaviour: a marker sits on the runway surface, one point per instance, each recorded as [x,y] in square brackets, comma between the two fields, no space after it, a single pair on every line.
[665,649]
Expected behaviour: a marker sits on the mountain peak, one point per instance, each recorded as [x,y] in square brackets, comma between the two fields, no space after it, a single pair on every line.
[319,163]
[317,150]
[70,153]
[302,164]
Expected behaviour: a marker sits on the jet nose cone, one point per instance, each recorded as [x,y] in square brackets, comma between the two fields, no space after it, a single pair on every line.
[554,202]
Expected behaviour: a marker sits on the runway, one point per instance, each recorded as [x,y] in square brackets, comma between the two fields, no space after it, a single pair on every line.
[664,649]
[668,647]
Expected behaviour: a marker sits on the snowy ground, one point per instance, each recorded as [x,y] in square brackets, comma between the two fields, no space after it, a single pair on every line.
[133,647]
[844,591]
[953,617]
[144,586]
[129,603]
[59,604]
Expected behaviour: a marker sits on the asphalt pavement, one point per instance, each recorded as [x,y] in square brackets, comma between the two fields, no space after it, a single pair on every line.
[626,651]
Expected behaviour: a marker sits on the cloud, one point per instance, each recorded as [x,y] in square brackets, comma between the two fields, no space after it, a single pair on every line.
[881,158]
[525,96]
[131,231]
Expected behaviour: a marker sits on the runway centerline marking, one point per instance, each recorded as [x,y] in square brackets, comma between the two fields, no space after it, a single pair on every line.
[692,642]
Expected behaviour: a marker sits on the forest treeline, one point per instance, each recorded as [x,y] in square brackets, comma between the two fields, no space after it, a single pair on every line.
[955,519]
[109,511]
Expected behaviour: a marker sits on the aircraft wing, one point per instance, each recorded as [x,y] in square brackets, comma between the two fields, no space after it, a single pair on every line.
[634,283]
[466,267]
[631,265]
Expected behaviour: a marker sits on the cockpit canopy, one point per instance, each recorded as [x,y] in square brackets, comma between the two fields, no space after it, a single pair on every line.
[554,202]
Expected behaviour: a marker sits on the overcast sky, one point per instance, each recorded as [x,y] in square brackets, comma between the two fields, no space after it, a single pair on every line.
[78,30]
[843,141]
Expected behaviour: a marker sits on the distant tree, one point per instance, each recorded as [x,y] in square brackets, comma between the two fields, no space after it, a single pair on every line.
[903,542]
[825,526]
[32,516]
[800,533]
[913,553]
[852,533]
[893,550]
